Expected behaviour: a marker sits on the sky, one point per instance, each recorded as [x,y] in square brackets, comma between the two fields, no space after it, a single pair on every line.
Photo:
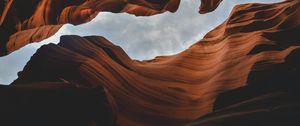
[141,37]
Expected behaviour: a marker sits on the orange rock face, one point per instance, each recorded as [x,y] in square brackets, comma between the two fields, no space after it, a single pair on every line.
[23,21]
[255,44]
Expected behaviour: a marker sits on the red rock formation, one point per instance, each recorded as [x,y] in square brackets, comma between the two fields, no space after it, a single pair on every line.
[252,46]
[23,21]
[208,5]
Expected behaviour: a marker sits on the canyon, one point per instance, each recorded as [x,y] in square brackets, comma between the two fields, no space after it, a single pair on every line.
[243,72]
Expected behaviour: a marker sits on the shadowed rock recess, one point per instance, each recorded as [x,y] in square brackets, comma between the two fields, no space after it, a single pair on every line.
[245,72]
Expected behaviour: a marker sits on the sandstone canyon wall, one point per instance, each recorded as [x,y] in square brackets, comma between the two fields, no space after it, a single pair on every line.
[256,48]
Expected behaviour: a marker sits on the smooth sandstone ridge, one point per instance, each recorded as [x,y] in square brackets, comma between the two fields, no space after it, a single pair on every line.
[257,45]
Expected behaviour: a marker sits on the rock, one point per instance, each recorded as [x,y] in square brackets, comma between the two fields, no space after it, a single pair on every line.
[270,98]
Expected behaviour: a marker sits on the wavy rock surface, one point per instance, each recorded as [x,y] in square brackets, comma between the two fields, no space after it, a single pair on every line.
[252,47]
[25,21]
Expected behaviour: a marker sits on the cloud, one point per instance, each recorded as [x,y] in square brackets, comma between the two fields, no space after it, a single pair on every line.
[141,37]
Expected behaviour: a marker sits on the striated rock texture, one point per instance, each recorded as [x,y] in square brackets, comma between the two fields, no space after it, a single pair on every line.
[257,46]
[25,21]
[271,98]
